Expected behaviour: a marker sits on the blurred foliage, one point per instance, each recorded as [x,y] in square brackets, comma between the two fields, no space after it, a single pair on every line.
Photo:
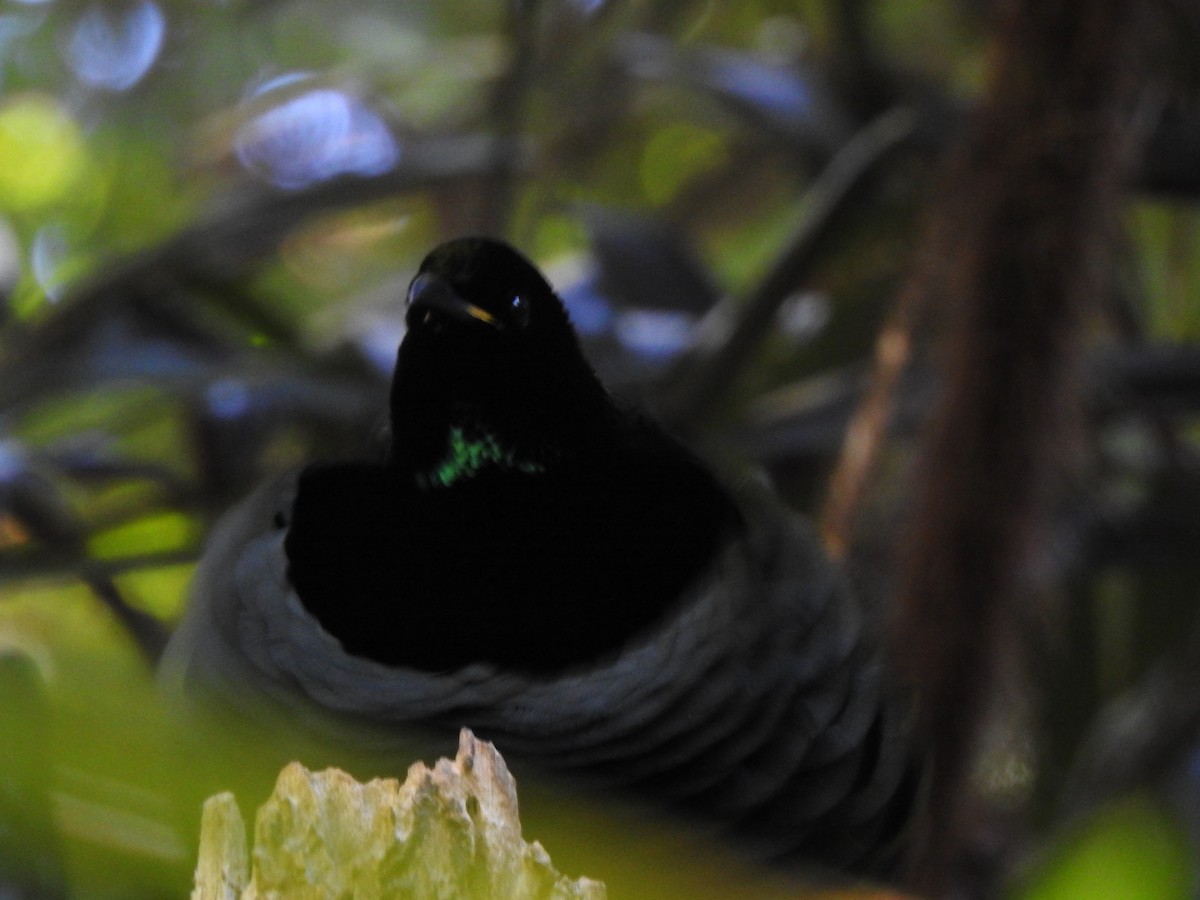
[1132,850]
[209,213]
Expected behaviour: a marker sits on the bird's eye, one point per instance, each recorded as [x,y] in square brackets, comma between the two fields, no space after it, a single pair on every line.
[518,307]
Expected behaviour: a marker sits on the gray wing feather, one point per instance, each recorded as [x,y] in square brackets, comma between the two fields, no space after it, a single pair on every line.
[758,705]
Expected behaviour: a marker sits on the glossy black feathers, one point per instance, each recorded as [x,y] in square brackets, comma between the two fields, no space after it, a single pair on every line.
[523,519]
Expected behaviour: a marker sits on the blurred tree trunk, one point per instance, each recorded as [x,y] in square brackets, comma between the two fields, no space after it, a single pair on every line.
[1016,254]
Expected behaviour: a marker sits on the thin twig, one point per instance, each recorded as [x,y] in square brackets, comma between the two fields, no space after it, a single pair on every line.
[1139,737]
[703,376]
[509,103]
[45,515]
[148,633]
[865,434]
[1144,736]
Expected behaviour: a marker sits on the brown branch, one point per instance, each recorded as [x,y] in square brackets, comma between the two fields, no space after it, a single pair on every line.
[865,434]
[1019,245]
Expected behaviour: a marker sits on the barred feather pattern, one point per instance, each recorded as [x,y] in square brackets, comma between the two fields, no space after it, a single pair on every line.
[758,705]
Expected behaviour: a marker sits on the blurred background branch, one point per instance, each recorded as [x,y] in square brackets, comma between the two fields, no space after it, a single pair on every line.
[1023,246]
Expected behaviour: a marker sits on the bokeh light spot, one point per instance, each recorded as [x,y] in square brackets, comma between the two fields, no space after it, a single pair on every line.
[655,333]
[41,152]
[111,50]
[590,311]
[313,136]
[228,398]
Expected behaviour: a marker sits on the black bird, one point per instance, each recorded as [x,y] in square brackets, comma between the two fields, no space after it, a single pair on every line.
[554,571]
[521,519]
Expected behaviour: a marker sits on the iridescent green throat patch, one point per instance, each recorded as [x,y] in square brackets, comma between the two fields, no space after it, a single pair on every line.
[467,457]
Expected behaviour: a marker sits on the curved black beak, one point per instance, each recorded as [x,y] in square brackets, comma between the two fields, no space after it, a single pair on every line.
[431,294]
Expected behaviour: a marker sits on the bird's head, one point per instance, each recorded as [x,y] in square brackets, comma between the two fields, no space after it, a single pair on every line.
[489,349]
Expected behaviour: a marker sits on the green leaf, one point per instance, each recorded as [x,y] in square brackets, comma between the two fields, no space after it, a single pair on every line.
[675,155]
[157,533]
[1133,849]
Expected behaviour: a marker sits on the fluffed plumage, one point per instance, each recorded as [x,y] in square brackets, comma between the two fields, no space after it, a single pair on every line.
[558,574]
